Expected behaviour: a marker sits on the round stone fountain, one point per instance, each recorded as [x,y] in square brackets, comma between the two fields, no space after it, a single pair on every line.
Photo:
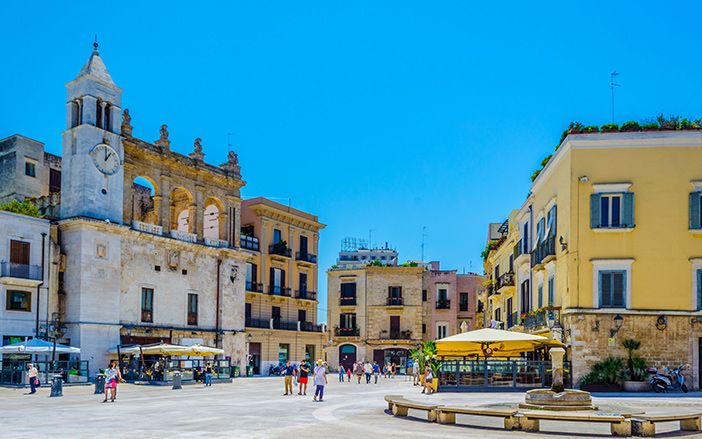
[557,397]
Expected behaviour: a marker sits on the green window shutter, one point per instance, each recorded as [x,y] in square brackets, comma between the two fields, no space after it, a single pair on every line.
[595,211]
[628,209]
[540,293]
[695,219]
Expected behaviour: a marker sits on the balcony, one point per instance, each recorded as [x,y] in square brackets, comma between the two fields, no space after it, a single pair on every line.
[249,243]
[544,251]
[280,249]
[183,236]
[505,280]
[147,316]
[463,307]
[147,228]
[258,323]
[12,273]
[443,304]
[543,318]
[347,301]
[347,332]
[277,290]
[284,325]
[310,327]
[216,242]
[395,335]
[305,295]
[394,301]
[254,287]
[306,257]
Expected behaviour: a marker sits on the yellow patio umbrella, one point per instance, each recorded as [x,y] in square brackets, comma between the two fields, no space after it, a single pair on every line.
[488,342]
[203,351]
[153,349]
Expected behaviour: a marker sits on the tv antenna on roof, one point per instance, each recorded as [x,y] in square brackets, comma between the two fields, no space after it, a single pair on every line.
[424,229]
[613,84]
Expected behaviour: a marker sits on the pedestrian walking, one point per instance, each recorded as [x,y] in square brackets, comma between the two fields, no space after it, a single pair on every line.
[358,371]
[288,372]
[348,374]
[428,380]
[33,378]
[209,370]
[342,373]
[112,377]
[320,380]
[376,371]
[392,370]
[415,373]
[368,370]
[304,373]
[385,370]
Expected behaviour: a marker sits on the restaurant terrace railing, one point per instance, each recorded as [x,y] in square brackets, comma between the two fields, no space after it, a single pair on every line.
[491,374]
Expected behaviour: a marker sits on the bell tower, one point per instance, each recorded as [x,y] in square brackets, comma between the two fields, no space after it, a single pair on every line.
[92,182]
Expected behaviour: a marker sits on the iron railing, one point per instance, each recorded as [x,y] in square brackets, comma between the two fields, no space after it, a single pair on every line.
[279,249]
[307,257]
[505,280]
[543,250]
[277,290]
[443,304]
[542,318]
[20,271]
[14,372]
[254,287]
[347,301]
[347,332]
[394,301]
[310,327]
[283,324]
[490,374]
[395,335]
[257,323]
[305,294]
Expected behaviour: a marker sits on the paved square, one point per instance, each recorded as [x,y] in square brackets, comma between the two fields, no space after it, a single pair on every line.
[255,408]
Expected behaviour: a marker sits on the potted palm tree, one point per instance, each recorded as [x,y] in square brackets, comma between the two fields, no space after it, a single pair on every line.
[604,376]
[634,376]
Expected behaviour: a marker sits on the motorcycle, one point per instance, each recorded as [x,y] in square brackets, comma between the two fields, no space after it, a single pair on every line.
[667,379]
[275,370]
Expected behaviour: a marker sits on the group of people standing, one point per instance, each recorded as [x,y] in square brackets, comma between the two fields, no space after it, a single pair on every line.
[367,369]
[299,375]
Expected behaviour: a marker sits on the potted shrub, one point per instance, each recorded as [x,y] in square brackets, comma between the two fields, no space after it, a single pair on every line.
[650,126]
[591,129]
[629,126]
[574,128]
[668,123]
[687,124]
[634,376]
[610,128]
[604,376]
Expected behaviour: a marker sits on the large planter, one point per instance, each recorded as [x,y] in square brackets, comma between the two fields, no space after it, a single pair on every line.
[601,387]
[636,386]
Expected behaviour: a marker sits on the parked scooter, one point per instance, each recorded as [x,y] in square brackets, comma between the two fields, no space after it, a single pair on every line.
[275,370]
[667,379]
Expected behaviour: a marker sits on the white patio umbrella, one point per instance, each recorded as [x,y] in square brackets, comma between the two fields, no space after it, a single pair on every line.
[37,346]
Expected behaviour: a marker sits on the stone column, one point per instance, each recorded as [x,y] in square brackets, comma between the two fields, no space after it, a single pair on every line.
[157,208]
[129,211]
[263,247]
[556,355]
[292,269]
[223,223]
[103,121]
[116,119]
[165,212]
[198,225]
[89,110]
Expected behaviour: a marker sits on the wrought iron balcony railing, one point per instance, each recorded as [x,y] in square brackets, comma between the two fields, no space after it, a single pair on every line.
[394,301]
[443,304]
[306,257]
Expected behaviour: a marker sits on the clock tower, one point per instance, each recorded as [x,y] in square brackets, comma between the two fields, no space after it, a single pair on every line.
[92,180]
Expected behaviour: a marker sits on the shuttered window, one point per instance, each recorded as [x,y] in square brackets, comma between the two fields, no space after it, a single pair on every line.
[551,291]
[612,289]
[699,290]
[695,210]
[611,211]
[540,295]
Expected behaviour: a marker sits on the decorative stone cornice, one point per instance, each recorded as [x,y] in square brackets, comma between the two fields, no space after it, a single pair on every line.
[267,212]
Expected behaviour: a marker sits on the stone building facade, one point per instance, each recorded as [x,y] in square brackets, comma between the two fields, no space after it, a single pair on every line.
[281,283]
[448,301]
[375,314]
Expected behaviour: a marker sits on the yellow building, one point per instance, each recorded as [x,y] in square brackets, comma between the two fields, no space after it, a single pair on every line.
[500,302]
[281,283]
[375,314]
[610,247]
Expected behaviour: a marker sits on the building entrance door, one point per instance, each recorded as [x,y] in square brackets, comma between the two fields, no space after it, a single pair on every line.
[347,355]
[255,357]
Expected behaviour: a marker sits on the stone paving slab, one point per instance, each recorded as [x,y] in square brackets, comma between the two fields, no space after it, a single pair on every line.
[255,408]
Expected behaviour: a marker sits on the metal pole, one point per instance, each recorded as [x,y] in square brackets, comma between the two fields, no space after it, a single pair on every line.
[43,253]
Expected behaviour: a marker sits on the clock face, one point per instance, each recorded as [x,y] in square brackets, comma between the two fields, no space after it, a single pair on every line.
[105,159]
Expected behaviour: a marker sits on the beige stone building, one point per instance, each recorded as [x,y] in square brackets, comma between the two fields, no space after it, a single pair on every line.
[281,283]
[374,313]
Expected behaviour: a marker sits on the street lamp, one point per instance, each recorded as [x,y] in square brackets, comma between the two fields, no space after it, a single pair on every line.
[618,321]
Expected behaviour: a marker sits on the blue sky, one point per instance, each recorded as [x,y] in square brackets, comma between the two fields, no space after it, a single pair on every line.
[387,116]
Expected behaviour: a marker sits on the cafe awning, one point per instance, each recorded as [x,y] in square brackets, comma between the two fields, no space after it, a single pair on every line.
[488,342]
[37,346]
[169,349]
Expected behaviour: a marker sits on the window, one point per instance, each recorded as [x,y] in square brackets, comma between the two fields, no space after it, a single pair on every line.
[301,315]
[424,295]
[54,180]
[441,330]
[540,226]
[302,282]
[612,210]
[540,295]
[303,245]
[275,314]
[192,309]
[277,236]
[247,313]
[30,169]
[695,211]
[395,292]
[283,353]
[551,225]
[395,327]
[424,328]
[347,320]
[98,113]
[347,294]
[463,302]
[19,300]
[441,295]
[525,297]
[277,281]
[147,305]
[699,290]
[525,238]
[498,315]
[510,320]
[251,276]
[551,292]
[612,289]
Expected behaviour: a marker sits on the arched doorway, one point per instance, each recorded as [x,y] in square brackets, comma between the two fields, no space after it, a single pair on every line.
[347,355]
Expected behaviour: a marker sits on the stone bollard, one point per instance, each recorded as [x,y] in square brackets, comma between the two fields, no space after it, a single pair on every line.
[99,384]
[176,381]
[56,386]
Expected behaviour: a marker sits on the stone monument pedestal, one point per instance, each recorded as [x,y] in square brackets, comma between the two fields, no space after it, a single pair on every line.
[567,400]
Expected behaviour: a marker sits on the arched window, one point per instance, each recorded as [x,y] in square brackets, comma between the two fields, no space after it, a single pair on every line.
[108,116]
[75,114]
[211,222]
[98,113]
[183,219]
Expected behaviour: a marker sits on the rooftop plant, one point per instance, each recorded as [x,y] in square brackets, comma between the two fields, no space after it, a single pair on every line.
[25,207]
